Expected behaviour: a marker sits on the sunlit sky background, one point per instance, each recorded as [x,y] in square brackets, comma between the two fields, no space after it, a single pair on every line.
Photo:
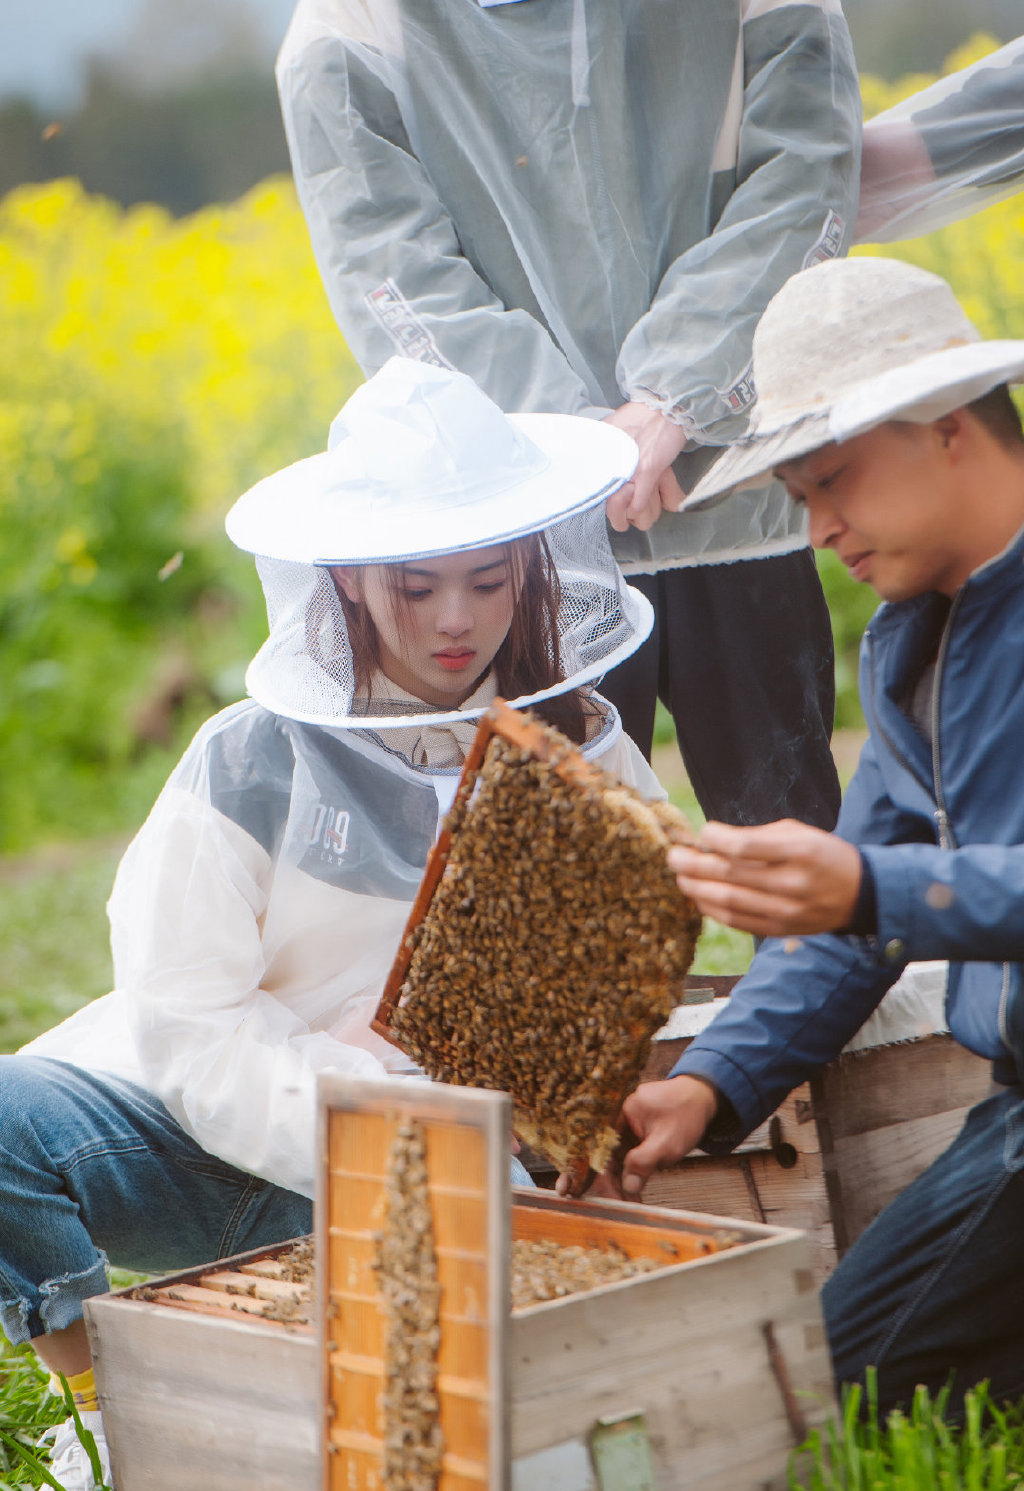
[44,43]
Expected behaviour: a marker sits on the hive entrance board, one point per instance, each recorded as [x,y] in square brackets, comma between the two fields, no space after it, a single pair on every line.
[547,943]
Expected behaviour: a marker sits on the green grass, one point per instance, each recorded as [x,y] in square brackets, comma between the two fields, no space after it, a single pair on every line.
[915,1451]
[27,1408]
[54,947]
[720,949]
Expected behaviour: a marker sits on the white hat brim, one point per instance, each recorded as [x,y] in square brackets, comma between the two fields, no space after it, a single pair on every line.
[920,391]
[295,514]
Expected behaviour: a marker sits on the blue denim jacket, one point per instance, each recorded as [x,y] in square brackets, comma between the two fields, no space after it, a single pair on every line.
[942,829]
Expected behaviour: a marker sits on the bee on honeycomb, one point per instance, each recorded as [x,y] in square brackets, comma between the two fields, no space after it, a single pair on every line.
[554,947]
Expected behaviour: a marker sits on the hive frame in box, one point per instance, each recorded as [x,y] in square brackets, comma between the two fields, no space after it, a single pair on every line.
[467,1133]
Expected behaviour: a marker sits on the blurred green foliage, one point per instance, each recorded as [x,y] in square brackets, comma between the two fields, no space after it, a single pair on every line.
[153,369]
[99,502]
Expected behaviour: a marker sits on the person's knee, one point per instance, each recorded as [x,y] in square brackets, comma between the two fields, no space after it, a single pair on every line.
[33,1100]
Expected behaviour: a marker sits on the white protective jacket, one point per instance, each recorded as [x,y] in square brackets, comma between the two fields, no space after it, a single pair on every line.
[254,920]
[579,203]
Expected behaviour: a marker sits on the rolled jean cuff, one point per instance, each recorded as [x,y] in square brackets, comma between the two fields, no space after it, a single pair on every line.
[58,1306]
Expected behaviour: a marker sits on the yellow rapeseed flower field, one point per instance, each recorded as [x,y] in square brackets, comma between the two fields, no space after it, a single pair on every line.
[214,324]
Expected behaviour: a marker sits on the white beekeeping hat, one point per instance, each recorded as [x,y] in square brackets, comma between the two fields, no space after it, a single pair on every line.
[420,462]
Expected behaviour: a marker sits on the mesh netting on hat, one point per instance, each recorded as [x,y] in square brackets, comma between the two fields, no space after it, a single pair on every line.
[305,671]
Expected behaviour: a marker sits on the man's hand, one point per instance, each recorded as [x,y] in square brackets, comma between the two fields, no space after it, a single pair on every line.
[669,1118]
[783,878]
[654,487]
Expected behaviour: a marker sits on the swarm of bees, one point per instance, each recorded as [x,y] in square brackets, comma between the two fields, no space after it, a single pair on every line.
[405,1263]
[554,947]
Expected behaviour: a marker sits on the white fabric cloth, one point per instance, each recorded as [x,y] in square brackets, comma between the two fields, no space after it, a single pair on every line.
[254,920]
[419,461]
[913,1008]
[429,746]
[579,203]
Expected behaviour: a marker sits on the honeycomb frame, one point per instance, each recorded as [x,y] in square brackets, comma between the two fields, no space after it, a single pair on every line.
[547,922]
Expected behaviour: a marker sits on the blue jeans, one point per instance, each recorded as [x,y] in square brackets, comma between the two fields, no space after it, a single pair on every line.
[934,1289]
[91,1166]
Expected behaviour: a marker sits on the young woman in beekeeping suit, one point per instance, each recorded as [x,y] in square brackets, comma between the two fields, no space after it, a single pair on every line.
[436,554]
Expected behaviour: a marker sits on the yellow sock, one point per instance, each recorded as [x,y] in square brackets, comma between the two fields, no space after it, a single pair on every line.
[83,1390]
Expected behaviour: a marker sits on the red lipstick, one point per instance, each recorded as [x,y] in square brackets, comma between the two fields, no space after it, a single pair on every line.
[454,659]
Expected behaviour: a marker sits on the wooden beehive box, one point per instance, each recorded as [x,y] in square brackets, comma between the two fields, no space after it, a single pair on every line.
[723,1353]
[204,1395]
[842,1146]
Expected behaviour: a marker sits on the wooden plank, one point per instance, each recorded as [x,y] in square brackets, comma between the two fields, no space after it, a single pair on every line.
[873,1168]
[666,1244]
[885,1085]
[197,1403]
[687,1347]
[754,1188]
[257,1287]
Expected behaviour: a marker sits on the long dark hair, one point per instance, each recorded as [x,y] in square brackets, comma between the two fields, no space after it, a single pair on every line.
[528,660]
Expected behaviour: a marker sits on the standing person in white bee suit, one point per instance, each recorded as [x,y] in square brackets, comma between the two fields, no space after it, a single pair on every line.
[586,205]
[946,152]
[438,553]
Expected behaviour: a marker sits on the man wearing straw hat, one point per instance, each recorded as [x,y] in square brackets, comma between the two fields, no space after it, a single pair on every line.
[891,422]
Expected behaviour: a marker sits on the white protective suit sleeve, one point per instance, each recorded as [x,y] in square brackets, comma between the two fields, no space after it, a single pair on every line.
[375,221]
[796,163]
[946,152]
[235,1066]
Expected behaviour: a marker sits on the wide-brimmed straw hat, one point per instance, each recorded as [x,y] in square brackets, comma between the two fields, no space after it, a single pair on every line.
[420,462]
[846,346]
